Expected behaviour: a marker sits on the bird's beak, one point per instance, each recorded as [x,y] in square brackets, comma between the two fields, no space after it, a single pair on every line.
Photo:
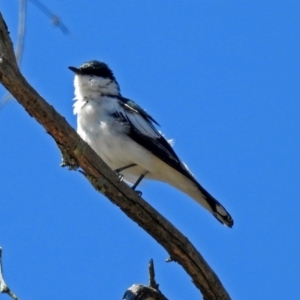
[75,70]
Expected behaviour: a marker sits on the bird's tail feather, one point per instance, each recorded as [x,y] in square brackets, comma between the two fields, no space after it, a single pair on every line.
[211,204]
[192,188]
[188,185]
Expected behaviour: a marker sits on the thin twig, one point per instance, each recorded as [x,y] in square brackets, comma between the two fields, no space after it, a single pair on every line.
[4,289]
[152,282]
[20,44]
[142,292]
[21,30]
[56,20]
[19,49]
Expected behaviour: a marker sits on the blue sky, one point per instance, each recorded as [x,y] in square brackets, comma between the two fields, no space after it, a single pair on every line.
[222,79]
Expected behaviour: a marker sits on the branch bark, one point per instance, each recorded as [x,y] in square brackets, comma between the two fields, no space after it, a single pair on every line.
[103,178]
[142,292]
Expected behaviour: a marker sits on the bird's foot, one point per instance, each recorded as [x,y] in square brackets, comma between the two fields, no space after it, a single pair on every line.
[121,177]
[124,168]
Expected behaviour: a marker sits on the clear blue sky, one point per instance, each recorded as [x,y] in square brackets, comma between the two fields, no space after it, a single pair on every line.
[222,79]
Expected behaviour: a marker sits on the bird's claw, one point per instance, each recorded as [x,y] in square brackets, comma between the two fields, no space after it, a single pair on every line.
[121,177]
[69,162]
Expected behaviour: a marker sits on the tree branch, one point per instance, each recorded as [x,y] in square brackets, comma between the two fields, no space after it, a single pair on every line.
[103,178]
[56,20]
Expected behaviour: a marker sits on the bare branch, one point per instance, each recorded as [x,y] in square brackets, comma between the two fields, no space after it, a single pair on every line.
[152,282]
[56,21]
[103,178]
[4,289]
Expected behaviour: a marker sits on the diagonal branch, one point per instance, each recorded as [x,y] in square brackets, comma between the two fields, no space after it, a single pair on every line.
[103,178]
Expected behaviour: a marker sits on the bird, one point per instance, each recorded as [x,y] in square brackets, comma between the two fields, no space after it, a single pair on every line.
[126,137]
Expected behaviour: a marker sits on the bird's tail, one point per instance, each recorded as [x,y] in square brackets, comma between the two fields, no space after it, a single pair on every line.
[211,204]
[192,188]
[186,182]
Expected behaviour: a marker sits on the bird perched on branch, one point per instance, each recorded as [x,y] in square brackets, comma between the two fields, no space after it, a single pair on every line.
[125,137]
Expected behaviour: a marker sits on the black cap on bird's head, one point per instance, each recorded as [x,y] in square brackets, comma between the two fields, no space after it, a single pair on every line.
[94,68]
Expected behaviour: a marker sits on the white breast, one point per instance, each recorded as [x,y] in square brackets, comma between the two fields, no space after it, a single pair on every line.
[97,126]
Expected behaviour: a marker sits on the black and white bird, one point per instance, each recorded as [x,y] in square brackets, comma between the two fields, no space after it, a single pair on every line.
[125,137]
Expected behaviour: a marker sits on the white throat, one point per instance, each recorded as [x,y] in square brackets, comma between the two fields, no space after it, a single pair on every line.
[92,88]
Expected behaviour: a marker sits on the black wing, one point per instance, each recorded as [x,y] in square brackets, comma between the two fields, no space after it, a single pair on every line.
[143,132]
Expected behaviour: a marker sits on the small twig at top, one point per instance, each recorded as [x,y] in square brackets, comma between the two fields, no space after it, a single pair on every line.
[56,21]
[152,282]
[20,44]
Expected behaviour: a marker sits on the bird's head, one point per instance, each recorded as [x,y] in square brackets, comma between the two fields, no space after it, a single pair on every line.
[94,78]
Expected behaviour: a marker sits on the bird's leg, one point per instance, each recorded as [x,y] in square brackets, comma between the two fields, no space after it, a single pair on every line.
[121,177]
[138,182]
[124,168]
